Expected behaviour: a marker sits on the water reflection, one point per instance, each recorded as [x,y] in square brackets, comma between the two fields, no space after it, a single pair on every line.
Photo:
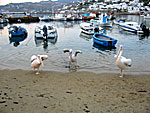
[85,36]
[45,42]
[73,67]
[65,24]
[125,32]
[16,40]
[141,37]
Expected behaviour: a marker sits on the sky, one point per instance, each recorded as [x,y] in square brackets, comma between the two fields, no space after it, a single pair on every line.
[4,2]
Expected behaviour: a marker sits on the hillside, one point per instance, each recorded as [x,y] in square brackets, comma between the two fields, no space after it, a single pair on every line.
[43,6]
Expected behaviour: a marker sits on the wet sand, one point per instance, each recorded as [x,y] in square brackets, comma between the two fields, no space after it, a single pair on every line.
[73,92]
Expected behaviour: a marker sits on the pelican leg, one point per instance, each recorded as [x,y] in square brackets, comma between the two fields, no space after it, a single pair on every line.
[76,64]
[122,72]
[69,64]
[37,73]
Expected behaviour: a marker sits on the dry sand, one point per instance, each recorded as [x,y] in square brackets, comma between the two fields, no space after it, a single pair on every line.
[73,92]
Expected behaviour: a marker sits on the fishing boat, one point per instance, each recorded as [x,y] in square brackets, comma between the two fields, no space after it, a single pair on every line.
[70,17]
[45,18]
[104,40]
[89,28]
[15,31]
[104,23]
[59,17]
[3,21]
[134,28]
[45,32]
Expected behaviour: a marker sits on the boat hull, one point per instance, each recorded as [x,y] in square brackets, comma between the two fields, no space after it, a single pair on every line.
[129,29]
[104,40]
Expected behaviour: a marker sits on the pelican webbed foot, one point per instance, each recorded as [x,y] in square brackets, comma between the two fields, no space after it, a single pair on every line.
[121,76]
[37,73]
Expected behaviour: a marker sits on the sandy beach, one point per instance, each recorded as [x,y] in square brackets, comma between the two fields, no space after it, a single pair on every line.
[73,92]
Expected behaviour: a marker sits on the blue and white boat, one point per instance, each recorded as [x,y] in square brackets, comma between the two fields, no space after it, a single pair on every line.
[104,40]
[131,27]
[15,31]
[103,20]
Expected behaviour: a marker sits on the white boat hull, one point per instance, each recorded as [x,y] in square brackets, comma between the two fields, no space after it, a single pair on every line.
[51,33]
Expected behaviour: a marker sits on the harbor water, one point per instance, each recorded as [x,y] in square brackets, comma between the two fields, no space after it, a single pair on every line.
[94,58]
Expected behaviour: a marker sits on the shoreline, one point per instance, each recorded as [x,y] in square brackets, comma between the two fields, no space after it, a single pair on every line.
[127,72]
[23,91]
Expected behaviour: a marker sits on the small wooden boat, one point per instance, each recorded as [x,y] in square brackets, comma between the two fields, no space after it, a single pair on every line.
[15,31]
[104,40]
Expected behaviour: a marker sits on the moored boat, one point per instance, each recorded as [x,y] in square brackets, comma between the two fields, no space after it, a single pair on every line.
[45,32]
[2,21]
[89,28]
[134,27]
[45,18]
[59,17]
[15,31]
[104,40]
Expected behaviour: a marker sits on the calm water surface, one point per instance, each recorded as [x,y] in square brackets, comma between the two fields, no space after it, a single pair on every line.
[94,58]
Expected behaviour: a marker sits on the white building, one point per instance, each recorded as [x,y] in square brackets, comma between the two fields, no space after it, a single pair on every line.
[133,9]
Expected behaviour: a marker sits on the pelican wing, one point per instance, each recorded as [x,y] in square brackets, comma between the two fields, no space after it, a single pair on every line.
[78,51]
[127,62]
[33,57]
[66,50]
[43,57]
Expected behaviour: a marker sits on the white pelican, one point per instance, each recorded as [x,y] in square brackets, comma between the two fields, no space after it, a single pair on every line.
[72,57]
[121,61]
[36,61]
